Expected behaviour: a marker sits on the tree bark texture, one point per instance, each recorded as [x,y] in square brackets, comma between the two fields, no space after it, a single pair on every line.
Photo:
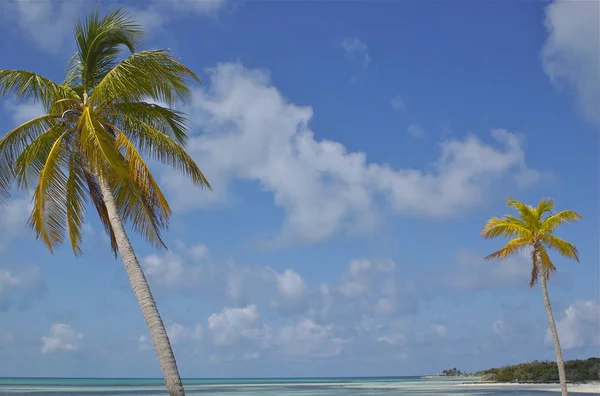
[559,358]
[142,292]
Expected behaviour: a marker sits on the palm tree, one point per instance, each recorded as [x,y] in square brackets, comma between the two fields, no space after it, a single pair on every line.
[533,230]
[89,144]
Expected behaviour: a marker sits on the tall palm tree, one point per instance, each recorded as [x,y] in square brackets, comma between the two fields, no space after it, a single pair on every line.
[88,146]
[533,230]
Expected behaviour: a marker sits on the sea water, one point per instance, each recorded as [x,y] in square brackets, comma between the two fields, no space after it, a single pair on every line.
[252,387]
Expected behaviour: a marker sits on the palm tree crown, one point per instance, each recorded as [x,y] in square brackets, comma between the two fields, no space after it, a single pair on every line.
[99,122]
[532,229]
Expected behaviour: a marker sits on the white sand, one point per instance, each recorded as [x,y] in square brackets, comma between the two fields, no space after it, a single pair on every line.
[593,388]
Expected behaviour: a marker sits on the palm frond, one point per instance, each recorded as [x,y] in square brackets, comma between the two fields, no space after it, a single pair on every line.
[75,200]
[168,121]
[140,211]
[140,175]
[98,201]
[505,227]
[17,140]
[564,248]
[30,86]
[49,209]
[32,159]
[526,212]
[98,145]
[161,147]
[547,264]
[545,205]
[147,74]
[513,246]
[541,265]
[565,216]
[98,41]
[535,268]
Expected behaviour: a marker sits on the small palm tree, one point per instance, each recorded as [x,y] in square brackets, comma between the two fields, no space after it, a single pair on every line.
[89,145]
[533,230]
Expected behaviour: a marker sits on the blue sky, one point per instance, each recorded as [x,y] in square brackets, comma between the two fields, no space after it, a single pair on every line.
[355,149]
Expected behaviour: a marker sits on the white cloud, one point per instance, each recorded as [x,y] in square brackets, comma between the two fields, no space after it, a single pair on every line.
[366,286]
[369,286]
[144,343]
[470,271]
[13,220]
[173,270]
[22,112]
[286,292]
[251,132]
[159,13]
[199,251]
[291,285]
[22,285]
[233,323]
[356,49]
[301,338]
[356,281]
[178,333]
[579,326]
[62,337]
[306,338]
[571,53]
[50,24]
[247,282]
[415,130]
[398,103]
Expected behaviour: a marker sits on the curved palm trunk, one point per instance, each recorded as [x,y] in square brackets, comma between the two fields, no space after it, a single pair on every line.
[142,292]
[559,358]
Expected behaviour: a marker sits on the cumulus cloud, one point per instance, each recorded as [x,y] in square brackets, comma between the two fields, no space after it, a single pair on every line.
[300,338]
[20,286]
[176,270]
[301,320]
[291,285]
[307,339]
[470,271]
[404,334]
[62,337]
[178,332]
[579,326]
[251,132]
[367,285]
[356,49]
[571,54]
[231,324]
[49,24]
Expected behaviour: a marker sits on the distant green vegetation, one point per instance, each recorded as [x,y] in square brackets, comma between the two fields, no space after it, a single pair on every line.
[453,372]
[576,371]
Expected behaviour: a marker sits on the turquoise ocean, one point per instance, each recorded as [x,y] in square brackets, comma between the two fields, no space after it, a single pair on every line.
[251,387]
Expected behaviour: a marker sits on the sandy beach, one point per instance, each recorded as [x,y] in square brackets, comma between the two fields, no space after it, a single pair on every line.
[592,388]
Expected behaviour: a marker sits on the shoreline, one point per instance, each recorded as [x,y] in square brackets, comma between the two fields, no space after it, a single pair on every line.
[592,387]
[450,378]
